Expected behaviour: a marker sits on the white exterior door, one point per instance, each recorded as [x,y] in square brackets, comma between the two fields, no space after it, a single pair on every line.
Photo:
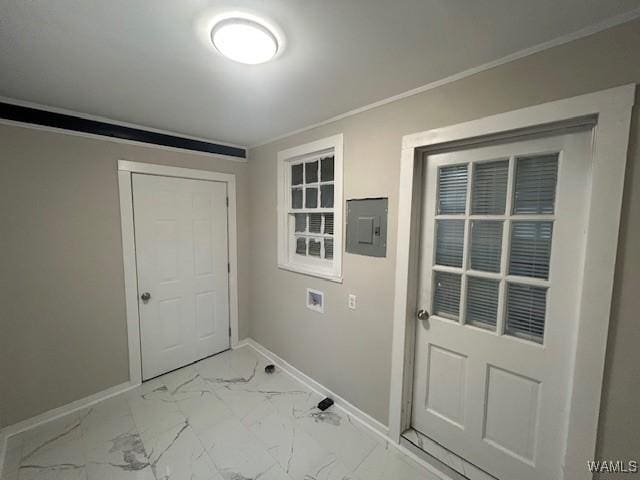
[182,261]
[503,235]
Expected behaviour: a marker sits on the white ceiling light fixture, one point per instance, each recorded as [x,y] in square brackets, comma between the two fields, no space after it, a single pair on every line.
[244,40]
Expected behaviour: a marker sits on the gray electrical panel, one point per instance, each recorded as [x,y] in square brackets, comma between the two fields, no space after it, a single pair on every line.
[367,226]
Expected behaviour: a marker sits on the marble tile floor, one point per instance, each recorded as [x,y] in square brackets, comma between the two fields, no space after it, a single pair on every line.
[223,418]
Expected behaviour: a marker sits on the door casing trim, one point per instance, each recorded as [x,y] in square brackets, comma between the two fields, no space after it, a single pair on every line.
[125,170]
[612,108]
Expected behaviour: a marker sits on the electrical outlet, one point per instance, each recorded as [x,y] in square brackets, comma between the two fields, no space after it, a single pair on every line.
[352,302]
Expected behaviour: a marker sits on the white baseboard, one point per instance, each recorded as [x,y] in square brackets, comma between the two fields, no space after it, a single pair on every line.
[366,420]
[56,413]
[320,389]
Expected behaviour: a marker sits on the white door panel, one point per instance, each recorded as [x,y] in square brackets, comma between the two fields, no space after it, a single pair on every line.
[503,234]
[182,258]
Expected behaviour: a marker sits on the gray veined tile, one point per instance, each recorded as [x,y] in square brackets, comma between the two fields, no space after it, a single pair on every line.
[275,473]
[331,468]
[122,458]
[146,387]
[105,422]
[54,450]
[204,410]
[53,472]
[103,471]
[242,401]
[279,384]
[296,406]
[216,370]
[231,368]
[385,462]
[339,434]
[54,461]
[299,455]
[263,410]
[253,401]
[179,454]
[242,359]
[183,383]
[224,417]
[235,451]
[155,411]
[52,434]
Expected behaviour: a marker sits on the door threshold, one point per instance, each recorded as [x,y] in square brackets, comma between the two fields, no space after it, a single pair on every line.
[187,365]
[449,463]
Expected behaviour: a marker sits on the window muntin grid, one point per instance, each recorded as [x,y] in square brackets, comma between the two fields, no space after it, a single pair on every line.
[311,210]
[497,246]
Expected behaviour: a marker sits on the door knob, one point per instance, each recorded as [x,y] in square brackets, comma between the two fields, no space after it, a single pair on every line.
[145,297]
[422,314]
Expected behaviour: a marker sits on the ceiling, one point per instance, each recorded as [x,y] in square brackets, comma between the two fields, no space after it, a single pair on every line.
[150,62]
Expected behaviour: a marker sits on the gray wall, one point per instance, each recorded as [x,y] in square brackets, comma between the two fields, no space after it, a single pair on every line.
[350,351]
[62,314]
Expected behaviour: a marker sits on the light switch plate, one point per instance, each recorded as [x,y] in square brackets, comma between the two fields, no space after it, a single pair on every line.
[352,301]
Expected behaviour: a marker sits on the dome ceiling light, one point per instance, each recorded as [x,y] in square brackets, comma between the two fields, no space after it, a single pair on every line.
[244,40]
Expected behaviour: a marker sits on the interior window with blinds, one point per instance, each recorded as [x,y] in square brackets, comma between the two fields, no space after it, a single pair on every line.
[493,242]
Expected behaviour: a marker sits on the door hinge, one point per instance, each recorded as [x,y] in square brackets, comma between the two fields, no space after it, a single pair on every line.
[229,330]
[227,201]
[228,267]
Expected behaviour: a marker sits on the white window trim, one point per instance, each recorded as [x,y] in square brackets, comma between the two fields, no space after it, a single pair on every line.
[613,109]
[285,158]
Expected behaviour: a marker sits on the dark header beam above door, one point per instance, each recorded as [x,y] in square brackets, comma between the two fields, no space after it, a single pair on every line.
[19,113]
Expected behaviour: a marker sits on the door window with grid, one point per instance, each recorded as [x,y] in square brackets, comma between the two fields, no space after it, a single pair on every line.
[493,235]
[310,201]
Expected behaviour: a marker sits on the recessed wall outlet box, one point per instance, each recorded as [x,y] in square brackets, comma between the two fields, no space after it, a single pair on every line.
[352,301]
[367,226]
[315,300]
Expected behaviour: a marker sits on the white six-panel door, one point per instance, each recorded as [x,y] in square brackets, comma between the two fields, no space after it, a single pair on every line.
[503,235]
[182,261]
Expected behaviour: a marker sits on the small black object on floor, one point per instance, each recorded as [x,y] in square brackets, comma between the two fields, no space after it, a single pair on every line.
[270,368]
[324,404]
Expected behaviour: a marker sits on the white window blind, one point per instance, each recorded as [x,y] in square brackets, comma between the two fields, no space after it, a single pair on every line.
[469,270]
[482,302]
[535,189]
[490,187]
[486,245]
[530,249]
[449,242]
[447,295]
[452,191]
[526,307]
